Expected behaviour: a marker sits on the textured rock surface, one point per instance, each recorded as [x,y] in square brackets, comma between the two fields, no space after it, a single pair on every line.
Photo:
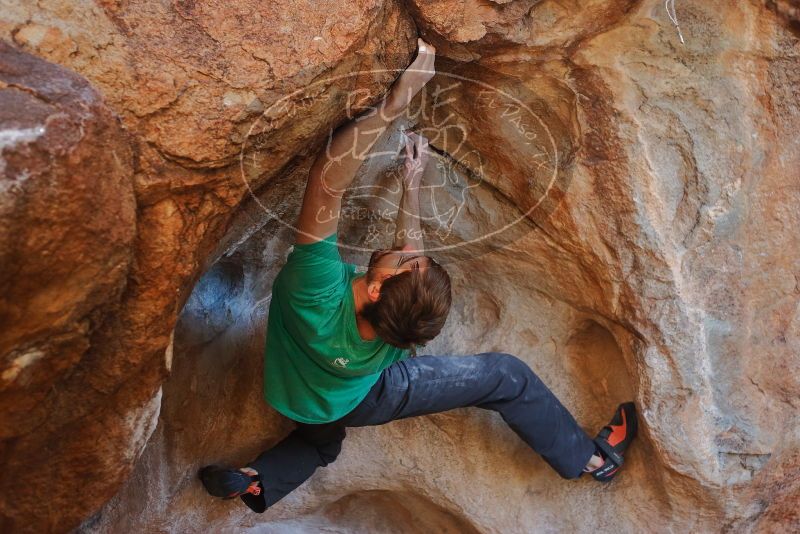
[660,262]
[67,227]
[188,80]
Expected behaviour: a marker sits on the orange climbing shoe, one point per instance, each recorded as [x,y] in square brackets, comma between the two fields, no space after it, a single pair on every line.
[613,440]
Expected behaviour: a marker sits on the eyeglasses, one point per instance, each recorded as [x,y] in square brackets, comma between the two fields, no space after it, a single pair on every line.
[405,259]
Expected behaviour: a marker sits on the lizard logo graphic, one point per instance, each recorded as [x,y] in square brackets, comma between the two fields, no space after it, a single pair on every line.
[341,362]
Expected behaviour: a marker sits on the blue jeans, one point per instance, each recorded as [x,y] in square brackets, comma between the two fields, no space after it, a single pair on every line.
[433,384]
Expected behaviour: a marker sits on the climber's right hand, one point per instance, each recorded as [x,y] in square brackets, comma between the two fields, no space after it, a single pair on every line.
[416,152]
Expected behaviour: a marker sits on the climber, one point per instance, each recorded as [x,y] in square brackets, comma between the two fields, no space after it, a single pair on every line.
[338,342]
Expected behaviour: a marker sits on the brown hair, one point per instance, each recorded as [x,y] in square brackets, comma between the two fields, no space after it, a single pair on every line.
[412,307]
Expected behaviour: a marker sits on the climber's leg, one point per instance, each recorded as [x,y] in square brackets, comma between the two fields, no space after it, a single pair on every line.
[292,461]
[494,381]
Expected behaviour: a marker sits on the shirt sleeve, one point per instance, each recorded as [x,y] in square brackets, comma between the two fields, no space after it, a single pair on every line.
[314,270]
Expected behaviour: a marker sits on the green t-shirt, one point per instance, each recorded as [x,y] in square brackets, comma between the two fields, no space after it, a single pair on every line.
[316,366]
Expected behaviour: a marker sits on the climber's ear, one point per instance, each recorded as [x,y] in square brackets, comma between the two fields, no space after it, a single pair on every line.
[374,290]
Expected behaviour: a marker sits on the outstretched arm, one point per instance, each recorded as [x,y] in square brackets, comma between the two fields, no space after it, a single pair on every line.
[334,169]
[408,233]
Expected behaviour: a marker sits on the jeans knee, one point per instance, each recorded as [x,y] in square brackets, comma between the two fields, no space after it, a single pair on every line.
[329,452]
[326,439]
[511,364]
[512,368]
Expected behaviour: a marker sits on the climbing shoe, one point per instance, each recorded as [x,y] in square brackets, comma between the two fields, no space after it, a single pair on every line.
[224,483]
[613,440]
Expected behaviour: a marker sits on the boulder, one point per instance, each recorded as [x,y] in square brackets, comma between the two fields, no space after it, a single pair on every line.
[67,229]
[614,193]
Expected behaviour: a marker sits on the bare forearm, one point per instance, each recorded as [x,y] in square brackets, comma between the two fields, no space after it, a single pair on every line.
[407,228]
[350,145]
[335,168]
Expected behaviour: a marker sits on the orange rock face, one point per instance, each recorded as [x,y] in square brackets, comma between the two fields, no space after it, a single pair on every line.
[615,206]
[67,235]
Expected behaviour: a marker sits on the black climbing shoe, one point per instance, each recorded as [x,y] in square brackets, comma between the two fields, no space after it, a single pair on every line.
[224,483]
[613,440]
[231,483]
